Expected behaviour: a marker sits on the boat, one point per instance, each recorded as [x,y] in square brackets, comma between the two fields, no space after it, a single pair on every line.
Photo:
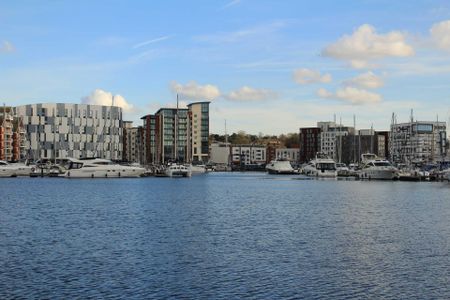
[373,167]
[279,166]
[177,170]
[14,169]
[321,166]
[196,169]
[343,170]
[100,168]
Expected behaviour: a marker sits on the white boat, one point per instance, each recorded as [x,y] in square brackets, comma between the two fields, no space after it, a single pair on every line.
[14,169]
[197,169]
[100,168]
[280,167]
[177,170]
[321,167]
[373,167]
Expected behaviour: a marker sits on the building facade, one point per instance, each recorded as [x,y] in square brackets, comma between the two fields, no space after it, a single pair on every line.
[309,143]
[12,136]
[198,132]
[248,155]
[60,130]
[291,154]
[220,153]
[133,144]
[177,134]
[418,142]
[330,133]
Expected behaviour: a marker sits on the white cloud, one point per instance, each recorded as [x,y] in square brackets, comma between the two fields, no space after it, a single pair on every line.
[307,76]
[247,93]
[366,80]
[351,95]
[440,35]
[194,91]
[101,97]
[365,45]
[230,4]
[159,39]
[7,47]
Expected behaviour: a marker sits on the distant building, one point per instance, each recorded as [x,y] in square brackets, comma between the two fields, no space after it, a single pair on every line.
[60,130]
[12,136]
[291,154]
[177,134]
[220,153]
[133,143]
[272,147]
[248,154]
[330,132]
[309,143]
[350,148]
[418,142]
[198,131]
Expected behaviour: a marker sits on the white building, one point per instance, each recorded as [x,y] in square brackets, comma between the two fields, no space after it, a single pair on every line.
[291,154]
[59,130]
[248,154]
[419,141]
[219,153]
[330,131]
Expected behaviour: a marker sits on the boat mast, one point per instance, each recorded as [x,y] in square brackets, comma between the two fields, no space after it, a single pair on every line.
[4,131]
[176,134]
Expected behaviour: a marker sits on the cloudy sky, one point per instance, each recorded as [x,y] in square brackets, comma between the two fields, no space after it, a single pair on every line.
[266,66]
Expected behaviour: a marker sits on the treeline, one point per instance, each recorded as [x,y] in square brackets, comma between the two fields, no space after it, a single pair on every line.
[290,140]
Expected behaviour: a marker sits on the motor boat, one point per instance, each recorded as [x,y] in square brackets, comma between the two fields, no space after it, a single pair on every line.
[373,167]
[343,170]
[196,169]
[14,169]
[100,168]
[279,167]
[178,170]
[321,166]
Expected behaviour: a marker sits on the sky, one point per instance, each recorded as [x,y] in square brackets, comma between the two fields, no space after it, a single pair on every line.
[267,67]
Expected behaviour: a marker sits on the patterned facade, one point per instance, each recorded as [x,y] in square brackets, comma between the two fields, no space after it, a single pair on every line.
[60,130]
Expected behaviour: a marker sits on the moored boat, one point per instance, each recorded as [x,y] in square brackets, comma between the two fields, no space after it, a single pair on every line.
[321,166]
[100,168]
[373,167]
[279,167]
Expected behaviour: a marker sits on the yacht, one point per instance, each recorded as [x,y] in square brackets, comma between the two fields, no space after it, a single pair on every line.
[100,168]
[178,170]
[196,169]
[373,167]
[14,169]
[279,167]
[321,167]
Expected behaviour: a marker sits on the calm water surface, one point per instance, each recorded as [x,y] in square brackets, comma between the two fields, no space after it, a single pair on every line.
[223,236]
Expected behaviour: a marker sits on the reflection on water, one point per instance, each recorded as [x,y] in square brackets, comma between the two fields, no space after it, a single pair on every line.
[240,235]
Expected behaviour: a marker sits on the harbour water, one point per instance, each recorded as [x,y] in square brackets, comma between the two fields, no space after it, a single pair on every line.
[223,236]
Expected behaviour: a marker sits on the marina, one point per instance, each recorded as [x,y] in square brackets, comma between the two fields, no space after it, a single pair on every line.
[230,234]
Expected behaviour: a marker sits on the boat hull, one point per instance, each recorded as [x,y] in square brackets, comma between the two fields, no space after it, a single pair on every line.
[378,174]
[110,173]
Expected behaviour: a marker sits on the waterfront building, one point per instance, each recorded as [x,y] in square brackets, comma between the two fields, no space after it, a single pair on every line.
[198,132]
[351,147]
[248,155]
[12,136]
[133,143]
[219,153]
[309,143]
[272,147]
[418,142]
[290,154]
[177,134]
[330,132]
[60,130]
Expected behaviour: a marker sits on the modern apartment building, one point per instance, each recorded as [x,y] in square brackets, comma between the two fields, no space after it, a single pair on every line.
[133,143]
[418,142]
[177,134]
[309,143]
[12,136]
[198,131]
[329,133]
[248,154]
[59,130]
[291,154]
[220,153]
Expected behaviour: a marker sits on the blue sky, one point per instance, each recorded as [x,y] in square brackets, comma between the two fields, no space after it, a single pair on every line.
[267,66]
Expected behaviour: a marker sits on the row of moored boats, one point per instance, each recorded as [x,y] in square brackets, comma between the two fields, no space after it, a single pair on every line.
[95,168]
[371,167]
